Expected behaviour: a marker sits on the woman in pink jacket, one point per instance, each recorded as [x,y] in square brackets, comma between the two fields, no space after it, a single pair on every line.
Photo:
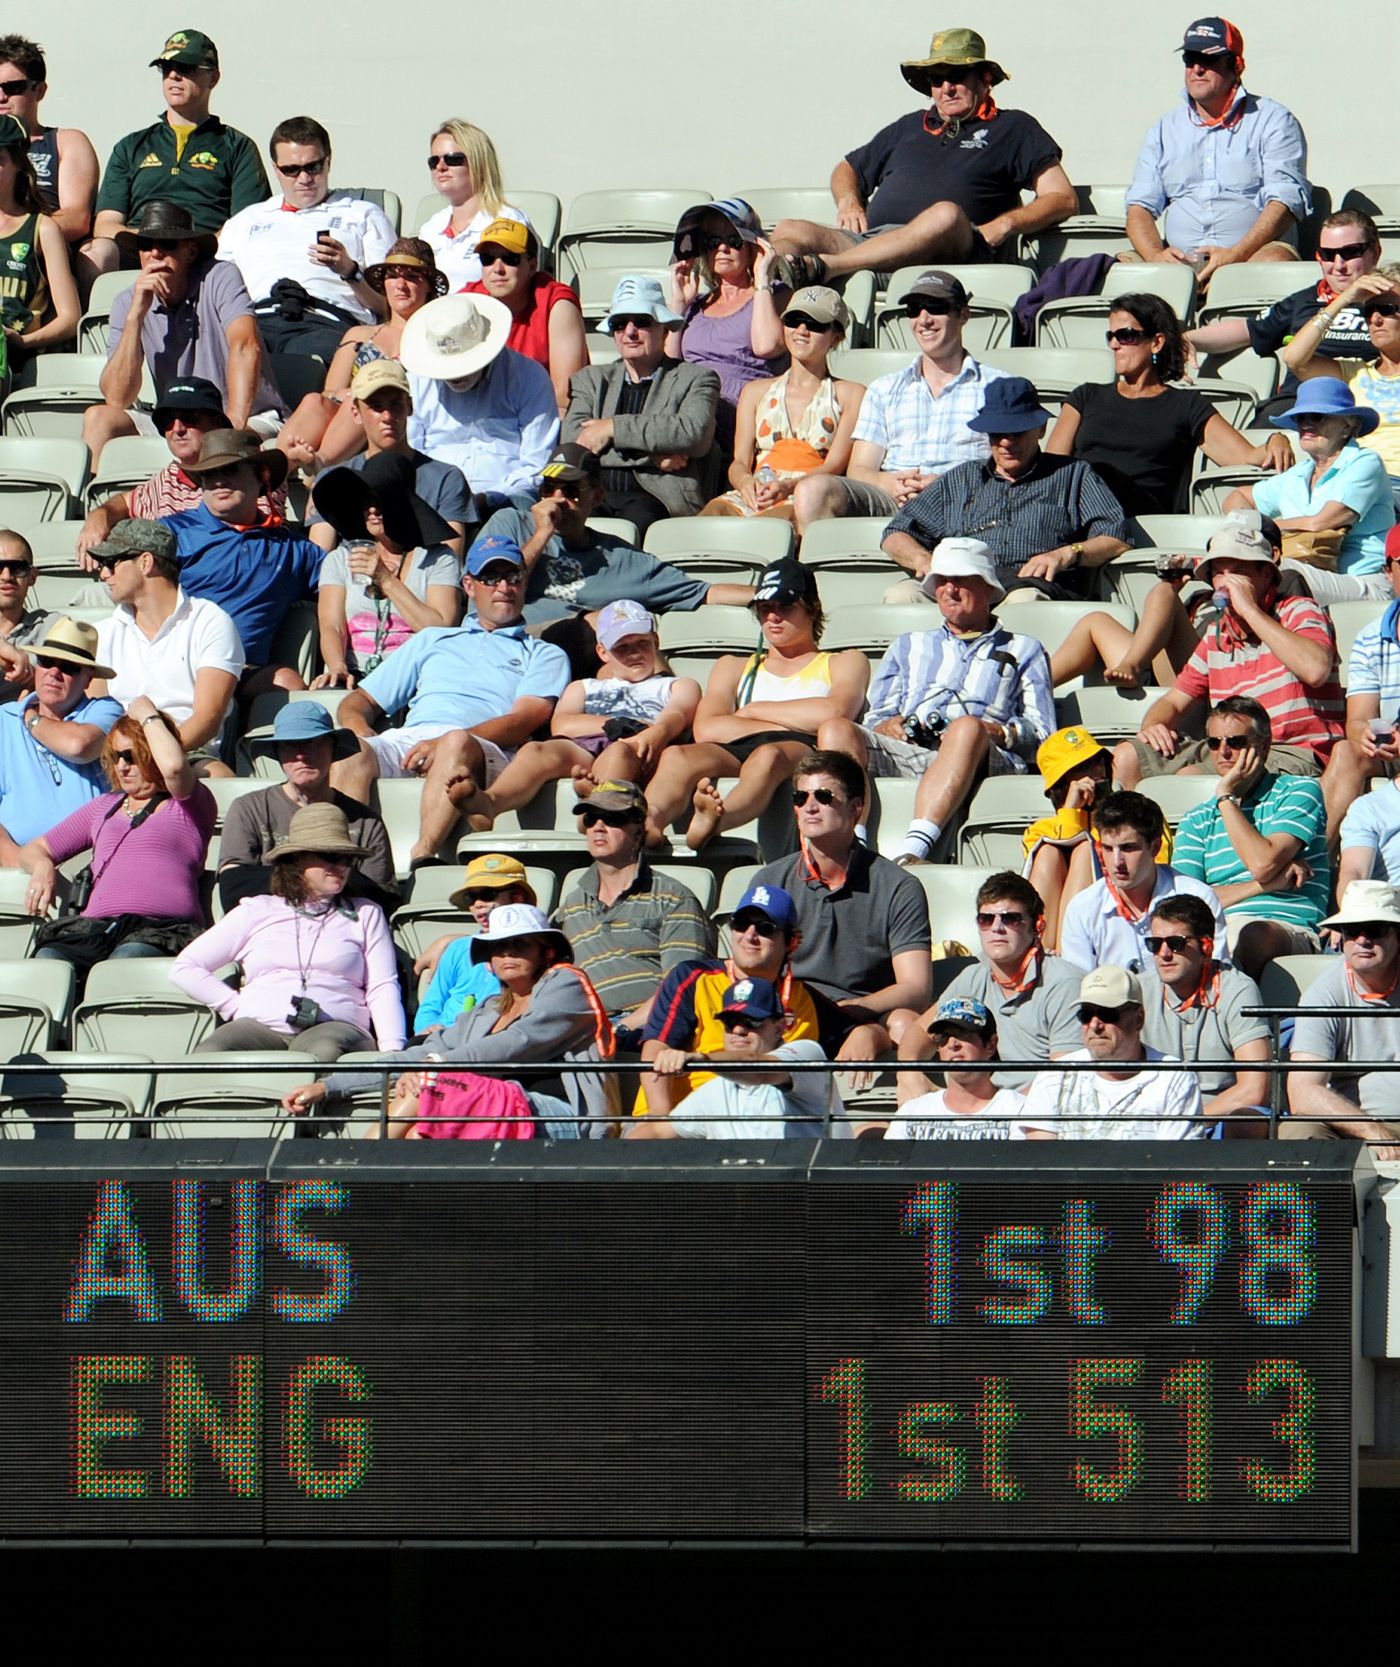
[318,967]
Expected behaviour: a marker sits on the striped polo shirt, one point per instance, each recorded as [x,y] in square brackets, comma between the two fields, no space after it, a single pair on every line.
[1276,805]
[1374,667]
[1225,664]
[628,946]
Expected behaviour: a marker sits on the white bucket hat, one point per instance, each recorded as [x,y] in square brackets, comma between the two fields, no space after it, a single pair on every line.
[961,558]
[1367,900]
[454,336]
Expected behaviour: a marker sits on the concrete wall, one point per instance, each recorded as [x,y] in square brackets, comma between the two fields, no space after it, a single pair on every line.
[720,96]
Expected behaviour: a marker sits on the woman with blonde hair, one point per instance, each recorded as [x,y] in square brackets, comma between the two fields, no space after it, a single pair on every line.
[466,173]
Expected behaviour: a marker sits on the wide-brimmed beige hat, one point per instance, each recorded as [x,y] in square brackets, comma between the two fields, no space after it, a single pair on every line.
[454,336]
[316,830]
[962,48]
[74,642]
[1367,900]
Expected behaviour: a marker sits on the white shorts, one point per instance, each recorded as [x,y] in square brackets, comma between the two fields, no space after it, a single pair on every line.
[394,745]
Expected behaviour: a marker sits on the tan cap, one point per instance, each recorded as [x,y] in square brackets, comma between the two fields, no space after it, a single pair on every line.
[377,375]
[1110,987]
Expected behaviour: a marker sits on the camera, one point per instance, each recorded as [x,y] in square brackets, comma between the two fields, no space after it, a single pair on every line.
[925,732]
[304,1013]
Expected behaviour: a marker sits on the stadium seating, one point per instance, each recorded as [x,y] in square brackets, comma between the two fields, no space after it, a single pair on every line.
[92,327]
[36,998]
[229,1101]
[55,544]
[1080,321]
[1100,227]
[1243,290]
[1178,794]
[41,477]
[595,285]
[772,203]
[132,1003]
[994,291]
[717,546]
[846,542]
[59,389]
[1381,202]
[634,228]
[83,1097]
[389,201]
[127,461]
[613,526]
[1348,619]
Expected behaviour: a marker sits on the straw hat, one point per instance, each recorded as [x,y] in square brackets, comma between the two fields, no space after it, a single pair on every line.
[74,642]
[316,830]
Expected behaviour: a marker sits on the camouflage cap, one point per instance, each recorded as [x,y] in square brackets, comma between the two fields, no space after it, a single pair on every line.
[130,538]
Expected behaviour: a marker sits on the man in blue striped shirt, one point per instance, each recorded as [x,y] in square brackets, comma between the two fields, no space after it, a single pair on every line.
[953,704]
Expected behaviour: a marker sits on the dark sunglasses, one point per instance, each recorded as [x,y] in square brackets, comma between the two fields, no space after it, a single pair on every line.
[1387,309]
[1176,943]
[311,169]
[1207,60]
[711,243]
[507,257]
[1008,917]
[448,159]
[823,796]
[56,665]
[501,576]
[642,321]
[1371,929]
[609,818]
[124,755]
[17,565]
[1105,1015]
[1231,743]
[736,1021]
[12,89]
[757,923]
[511,946]
[1126,337]
[571,489]
[328,859]
[922,304]
[1343,251]
[105,564]
[796,321]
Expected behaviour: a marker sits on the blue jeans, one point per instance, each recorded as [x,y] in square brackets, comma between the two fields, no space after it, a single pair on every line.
[557,1116]
[123,952]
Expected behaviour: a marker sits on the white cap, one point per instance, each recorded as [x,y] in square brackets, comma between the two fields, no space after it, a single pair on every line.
[623,619]
[962,558]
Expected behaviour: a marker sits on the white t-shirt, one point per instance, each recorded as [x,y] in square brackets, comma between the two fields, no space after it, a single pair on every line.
[198,634]
[726,1109]
[931,1118]
[269,241]
[1152,1105]
[456,256]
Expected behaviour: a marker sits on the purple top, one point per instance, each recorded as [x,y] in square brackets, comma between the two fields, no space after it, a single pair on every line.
[153,869]
[342,958]
[723,346]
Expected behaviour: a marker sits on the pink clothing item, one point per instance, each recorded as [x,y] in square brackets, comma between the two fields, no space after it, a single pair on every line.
[153,869]
[348,956]
[481,1108]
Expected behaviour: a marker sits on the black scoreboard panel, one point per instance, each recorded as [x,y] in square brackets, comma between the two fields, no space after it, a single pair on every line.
[1147,1345]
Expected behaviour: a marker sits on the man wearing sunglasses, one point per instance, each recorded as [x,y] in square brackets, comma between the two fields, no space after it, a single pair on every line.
[65,164]
[1339,1102]
[1225,172]
[20,625]
[629,926]
[1195,1011]
[1119,1101]
[1260,842]
[942,184]
[320,240]
[186,156]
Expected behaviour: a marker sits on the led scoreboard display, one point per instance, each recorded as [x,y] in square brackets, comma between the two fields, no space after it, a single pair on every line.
[1102,1345]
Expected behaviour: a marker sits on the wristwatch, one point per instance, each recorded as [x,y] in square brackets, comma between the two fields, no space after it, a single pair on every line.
[32,716]
[1076,553]
[1230,799]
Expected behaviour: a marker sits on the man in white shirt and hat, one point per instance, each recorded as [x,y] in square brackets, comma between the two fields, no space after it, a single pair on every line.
[476,402]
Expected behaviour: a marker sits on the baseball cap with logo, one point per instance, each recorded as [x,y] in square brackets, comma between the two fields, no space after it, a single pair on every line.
[189,393]
[1212,37]
[817,302]
[491,550]
[1064,751]
[492,872]
[620,620]
[773,902]
[572,462]
[378,375]
[512,235]
[1110,987]
[623,796]
[963,1013]
[188,48]
[938,286]
[784,582]
[752,998]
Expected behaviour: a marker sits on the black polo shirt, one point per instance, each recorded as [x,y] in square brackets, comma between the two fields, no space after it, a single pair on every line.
[1346,337]
[215,175]
[983,168]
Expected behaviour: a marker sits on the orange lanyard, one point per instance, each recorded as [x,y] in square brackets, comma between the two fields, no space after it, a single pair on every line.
[811,867]
[1018,983]
[1207,992]
[1122,904]
[1368,995]
[986,111]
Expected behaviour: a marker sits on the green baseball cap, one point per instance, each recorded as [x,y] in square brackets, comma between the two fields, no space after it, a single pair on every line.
[962,48]
[189,49]
[130,538]
[13,133]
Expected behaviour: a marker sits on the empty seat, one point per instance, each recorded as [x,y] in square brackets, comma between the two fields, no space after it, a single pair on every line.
[596,284]
[728,630]
[133,1002]
[1209,492]
[389,201]
[127,461]
[951,889]
[58,389]
[1056,371]
[1285,981]
[41,476]
[92,327]
[994,292]
[865,364]
[82,1096]
[684,539]
[1381,202]
[873,626]
[1080,320]
[1183,534]
[1099,227]
[772,203]
[1236,402]
[613,526]
[846,541]
[55,544]
[842,588]
[69,592]
[1249,287]
[35,1001]
[232,1100]
[1000,811]
[1107,712]
[1178,794]
[544,211]
[608,228]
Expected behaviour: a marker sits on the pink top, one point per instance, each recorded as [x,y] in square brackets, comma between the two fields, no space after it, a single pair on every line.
[153,869]
[343,960]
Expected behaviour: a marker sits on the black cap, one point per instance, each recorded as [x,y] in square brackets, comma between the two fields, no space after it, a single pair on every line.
[190,393]
[786,581]
[573,462]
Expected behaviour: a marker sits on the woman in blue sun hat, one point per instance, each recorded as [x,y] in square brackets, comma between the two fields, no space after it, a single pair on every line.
[719,284]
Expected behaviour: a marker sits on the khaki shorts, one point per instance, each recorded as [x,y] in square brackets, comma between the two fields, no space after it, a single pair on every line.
[1283,759]
[1301,939]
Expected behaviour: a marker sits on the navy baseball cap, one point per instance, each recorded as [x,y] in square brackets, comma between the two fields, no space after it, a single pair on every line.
[490,549]
[190,393]
[1213,36]
[752,998]
[771,901]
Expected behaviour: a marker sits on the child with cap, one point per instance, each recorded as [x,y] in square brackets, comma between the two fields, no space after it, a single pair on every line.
[1073,767]
[971,1107]
[776,1105]
[612,727]
[460,982]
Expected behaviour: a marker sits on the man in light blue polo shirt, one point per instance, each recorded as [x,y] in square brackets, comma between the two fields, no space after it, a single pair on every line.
[469,695]
[51,739]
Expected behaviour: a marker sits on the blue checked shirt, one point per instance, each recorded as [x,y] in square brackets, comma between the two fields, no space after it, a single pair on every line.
[919,431]
[1374,668]
[998,675]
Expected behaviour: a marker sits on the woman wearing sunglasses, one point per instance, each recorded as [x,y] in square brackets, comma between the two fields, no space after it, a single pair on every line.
[1140,433]
[1377,386]
[796,424]
[546,324]
[466,174]
[318,968]
[719,285]
[149,837]
[322,430]
[39,307]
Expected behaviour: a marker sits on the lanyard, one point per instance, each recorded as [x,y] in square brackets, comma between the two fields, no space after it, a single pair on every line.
[811,867]
[1369,995]
[1207,992]
[1024,976]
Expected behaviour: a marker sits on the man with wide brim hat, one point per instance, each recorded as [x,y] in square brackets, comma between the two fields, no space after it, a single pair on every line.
[186,315]
[941,185]
[51,738]
[305,741]
[1044,517]
[187,156]
[476,401]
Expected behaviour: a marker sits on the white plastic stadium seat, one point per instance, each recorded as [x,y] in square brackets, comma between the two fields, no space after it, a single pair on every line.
[35,1001]
[231,1101]
[1248,288]
[607,228]
[994,292]
[1080,320]
[82,1098]
[1348,619]
[718,545]
[133,1002]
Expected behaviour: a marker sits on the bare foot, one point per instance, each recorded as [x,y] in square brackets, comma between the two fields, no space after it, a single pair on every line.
[709,810]
[463,792]
[585,782]
[1127,674]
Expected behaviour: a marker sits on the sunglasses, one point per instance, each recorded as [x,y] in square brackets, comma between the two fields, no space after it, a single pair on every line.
[571,489]
[1206,60]
[124,755]
[1371,929]
[1176,943]
[1008,917]
[609,818]
[147,245]
[327,859]
[730,1022]
[406,274]
[448,159]
[1386,309]
[313,170]
[1343,251]
[494,576]
[757,923]
[511,946]
[507,257]
[1231,743]
[711,243]
[1126,337]
[105,564]
[922,304]
[47,664]
[17,566]
[639,321]
[799,321]
[1105,1015]
[823,796]
[12,89]
[480,894]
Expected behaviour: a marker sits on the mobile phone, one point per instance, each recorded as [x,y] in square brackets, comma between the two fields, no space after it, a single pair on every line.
[1383,728]
[323,237]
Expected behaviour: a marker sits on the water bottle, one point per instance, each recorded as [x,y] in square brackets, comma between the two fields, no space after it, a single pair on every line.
[766,476]
[1221,600]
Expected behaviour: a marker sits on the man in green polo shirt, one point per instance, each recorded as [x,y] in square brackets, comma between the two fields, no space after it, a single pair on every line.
[187,157]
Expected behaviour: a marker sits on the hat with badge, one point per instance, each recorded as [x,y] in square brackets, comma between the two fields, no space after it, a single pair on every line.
[1110,987]
[752,998]
[189,49]
[492,872]
[1213,37]
[963,1013]
[620,620]
[820,304]
[623,797]
[491,549]
[378,375]
[1067,749]
[772,902]
[572,462]
[188,393]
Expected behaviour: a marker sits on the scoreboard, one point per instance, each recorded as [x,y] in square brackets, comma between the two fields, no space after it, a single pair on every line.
[838,1342]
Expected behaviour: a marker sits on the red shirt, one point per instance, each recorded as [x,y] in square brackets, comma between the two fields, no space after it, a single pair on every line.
[530,334]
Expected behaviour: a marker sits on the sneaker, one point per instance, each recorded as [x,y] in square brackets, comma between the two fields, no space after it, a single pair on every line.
[797,271]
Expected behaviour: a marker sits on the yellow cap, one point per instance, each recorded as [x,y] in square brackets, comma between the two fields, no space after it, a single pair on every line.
[492,872]
[1061,752]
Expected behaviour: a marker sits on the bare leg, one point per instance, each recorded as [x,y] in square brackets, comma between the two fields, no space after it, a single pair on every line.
[457,753]
[761,774]
[536,763]
[1259,943]
[1095,639]
[1049,870]
[1127,771]
[1080,875]
[841,735]
[97,255]
[1343,781]
[818,498]
[102,423]
[343,438]
[676,778]
[308,423]
[940,232]
[619,762]
[356,775]
[944,785]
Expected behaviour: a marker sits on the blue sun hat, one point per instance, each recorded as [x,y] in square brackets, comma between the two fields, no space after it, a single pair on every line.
[1325,396]
[638,293]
